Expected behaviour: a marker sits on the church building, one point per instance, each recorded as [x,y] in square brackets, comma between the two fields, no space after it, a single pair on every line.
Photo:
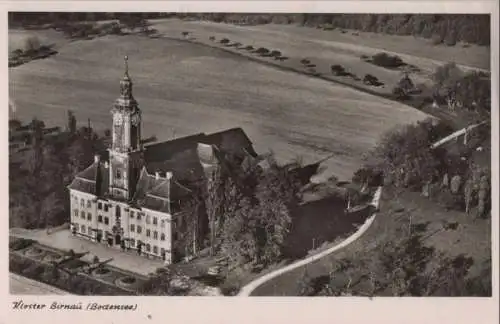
[133,196]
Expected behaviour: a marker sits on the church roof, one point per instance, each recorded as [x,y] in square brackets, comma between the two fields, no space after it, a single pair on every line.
[93,180]
[184,158]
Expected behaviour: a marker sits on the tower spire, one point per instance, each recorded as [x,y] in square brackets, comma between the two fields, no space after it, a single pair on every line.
[126,65]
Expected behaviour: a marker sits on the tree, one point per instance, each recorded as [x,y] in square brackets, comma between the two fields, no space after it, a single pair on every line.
[31,45]
[405,154]
[214,200]
[71,122]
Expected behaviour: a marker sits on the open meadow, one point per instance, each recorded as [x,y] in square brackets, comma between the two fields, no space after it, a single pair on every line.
[326,48]
[185,88]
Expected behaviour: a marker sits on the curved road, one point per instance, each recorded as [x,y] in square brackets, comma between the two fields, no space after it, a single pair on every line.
[249,288]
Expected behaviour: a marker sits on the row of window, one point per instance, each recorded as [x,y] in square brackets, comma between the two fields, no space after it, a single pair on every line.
[147,247]
[83,229]
[88,230]
[132,214]
[138,230]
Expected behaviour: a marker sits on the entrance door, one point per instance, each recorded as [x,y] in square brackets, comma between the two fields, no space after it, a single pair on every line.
[118,239]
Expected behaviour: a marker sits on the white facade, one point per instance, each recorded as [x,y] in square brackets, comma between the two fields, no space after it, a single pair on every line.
[118,225]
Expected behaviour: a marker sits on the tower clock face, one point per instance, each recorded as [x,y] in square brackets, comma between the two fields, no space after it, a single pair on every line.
[118,120]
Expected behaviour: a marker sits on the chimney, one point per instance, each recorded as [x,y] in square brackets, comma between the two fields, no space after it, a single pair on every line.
[169,175]
[157,175]
[97,158]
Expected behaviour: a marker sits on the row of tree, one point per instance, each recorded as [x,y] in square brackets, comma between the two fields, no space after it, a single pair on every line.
[243,210]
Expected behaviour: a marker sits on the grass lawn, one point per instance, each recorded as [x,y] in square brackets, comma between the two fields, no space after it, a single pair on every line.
[185,88]
[471,237]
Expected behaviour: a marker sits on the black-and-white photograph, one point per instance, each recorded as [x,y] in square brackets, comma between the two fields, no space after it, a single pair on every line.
[249,154]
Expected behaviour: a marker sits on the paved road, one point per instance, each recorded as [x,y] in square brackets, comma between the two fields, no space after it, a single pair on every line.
[20,285]
[456,134]
[249,288]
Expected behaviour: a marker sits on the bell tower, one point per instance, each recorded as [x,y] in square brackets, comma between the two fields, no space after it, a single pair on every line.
[125,153]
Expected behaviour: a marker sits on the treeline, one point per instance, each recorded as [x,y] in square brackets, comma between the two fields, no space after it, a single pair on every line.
[26,19]
[473,29]
[449,29]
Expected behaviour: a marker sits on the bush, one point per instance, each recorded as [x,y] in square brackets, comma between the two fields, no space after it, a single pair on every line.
[387,61]
[337,69]
[305,61]
[224,41]
[262,51]
[275,53]
[20,244]
[31,44]
[451,39]
[436,39]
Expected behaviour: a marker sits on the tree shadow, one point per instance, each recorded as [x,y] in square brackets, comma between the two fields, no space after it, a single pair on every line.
[321,221]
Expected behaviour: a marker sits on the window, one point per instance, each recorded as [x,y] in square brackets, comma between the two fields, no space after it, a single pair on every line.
[155,221]
[82,202]
[148,247]
[148,219]
[99,218]
[132,242]
[155,249]
[162,251]
[155,235]
[131,214]
[132,227]
[75,212]
[148,233]
[138,216]
[89,216]
[118,174]
[162,223]
[83,229]
[139,229]
[118,211]
[89,204]
[106,221]
[90,230]
[106,207]
[76,226]
[99,206]
[82,214]
[162,237]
